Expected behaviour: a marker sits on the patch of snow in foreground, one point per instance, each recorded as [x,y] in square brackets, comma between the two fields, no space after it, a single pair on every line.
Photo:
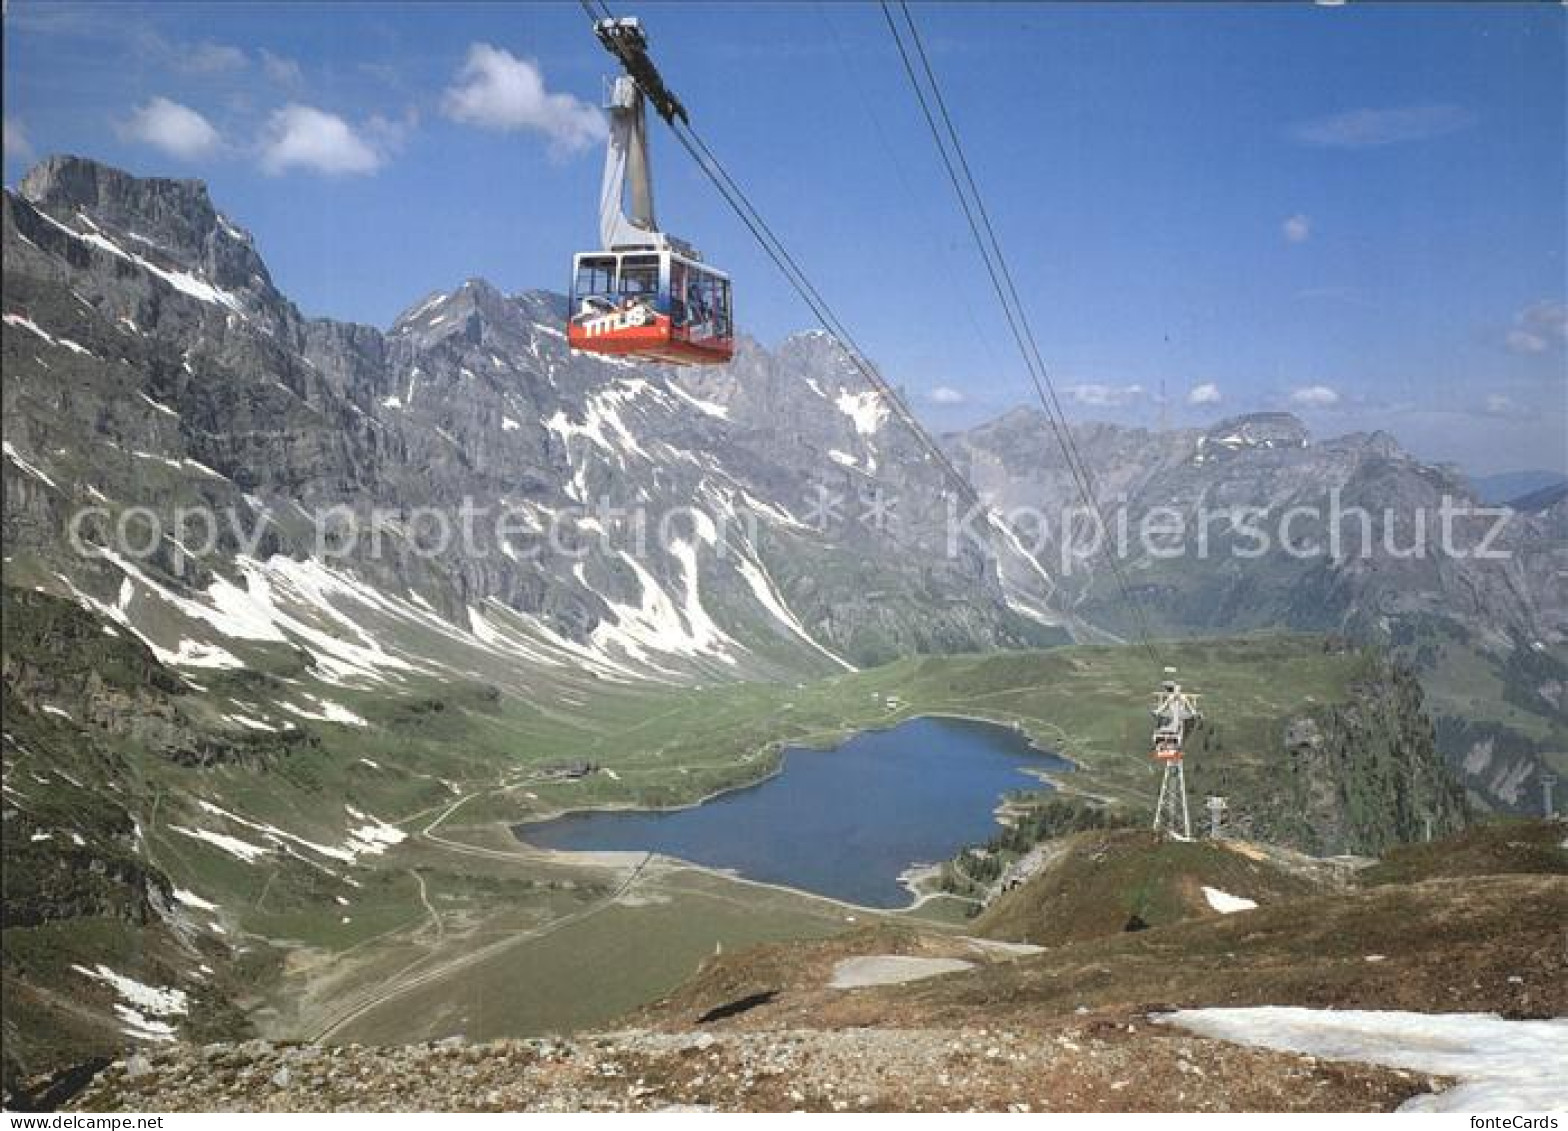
[1225,903]
[139,1025]
[891,970]
[1501,1065]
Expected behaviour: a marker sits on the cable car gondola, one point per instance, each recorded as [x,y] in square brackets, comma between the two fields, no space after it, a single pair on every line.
[645,295]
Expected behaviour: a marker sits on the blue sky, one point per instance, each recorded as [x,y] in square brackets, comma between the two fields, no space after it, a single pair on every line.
[1354,213]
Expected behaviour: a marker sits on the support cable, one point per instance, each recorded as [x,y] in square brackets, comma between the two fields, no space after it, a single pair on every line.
[978,219]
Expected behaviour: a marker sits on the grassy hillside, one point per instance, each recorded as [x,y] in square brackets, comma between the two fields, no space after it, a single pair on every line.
[310,929]
[1105,883]
[1489,941]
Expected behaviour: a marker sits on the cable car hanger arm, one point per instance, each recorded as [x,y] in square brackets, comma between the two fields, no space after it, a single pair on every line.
[624,38]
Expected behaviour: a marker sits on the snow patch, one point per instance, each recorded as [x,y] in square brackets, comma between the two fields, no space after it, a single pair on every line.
[865,409]
[182,281]
[602,425]
[191,899]
[707,408]
[241,850]
[163,1002]
[373,837]
[12,455]
[139,1025]
[1502,1065]
[891,970]
[768,596]
[157,406]
[33,328]
[30,326]
[326,711]
[1227,904]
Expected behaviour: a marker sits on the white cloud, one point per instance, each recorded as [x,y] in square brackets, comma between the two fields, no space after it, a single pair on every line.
[1499,405]
[1314,396]
[303,137]
[209,58]
[171,127]
[1538,328]
[17,145]
[1206,393]
[1296,228]
[1523,341]
[946,395]
[282,70]
[498,91]
[1104,396]
[1365,128]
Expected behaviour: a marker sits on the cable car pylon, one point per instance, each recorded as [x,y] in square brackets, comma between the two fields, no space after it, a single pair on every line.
[1175,715]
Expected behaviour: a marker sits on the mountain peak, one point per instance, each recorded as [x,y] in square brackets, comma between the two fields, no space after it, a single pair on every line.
[176,217]
[476,309]
[63,180]
[1258,430]
[442,312]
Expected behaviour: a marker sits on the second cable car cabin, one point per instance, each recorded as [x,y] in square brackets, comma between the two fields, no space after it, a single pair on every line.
[646,295]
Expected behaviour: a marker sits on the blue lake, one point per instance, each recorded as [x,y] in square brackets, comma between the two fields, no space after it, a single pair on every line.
[844,822]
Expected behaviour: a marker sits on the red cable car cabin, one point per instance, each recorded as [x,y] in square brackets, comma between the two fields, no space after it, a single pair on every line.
[652,304]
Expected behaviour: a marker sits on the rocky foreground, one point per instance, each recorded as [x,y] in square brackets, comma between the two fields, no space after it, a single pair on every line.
[891,1017]
[1094,1063]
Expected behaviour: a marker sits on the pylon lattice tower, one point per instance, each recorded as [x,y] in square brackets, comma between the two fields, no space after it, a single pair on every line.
[1175,715]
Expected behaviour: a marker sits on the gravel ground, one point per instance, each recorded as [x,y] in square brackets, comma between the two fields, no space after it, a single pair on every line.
[1098,1064]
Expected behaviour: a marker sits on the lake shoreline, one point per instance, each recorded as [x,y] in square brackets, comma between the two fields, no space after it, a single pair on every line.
[979,760]
[821,742]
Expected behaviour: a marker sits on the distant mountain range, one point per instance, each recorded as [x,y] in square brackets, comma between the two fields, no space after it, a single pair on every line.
[1513,486]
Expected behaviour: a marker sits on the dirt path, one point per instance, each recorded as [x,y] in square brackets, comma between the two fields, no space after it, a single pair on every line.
[424,897]
[405,981]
